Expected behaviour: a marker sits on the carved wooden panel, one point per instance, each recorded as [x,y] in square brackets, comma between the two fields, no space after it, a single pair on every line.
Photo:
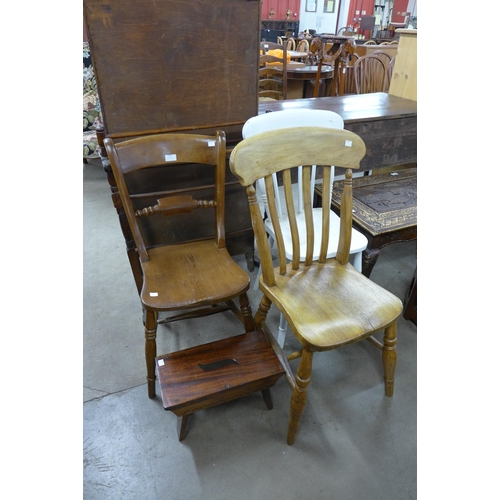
[384,202]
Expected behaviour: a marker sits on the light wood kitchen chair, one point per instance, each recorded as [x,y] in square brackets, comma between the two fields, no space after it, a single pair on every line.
[189,278]
[282,120]
[327,303]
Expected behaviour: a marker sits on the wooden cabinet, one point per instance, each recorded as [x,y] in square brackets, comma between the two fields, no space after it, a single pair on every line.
[404,74]
[280,8]
[164,66]
[274,16]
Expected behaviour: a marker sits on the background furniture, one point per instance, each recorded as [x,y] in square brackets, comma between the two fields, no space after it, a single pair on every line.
[327,303]
[273,64]
[410,303]
[334,52]
[385,210]
[192,274]
[404,74]
[370,74]
[388,124]
[147,58]
[92,118]
[301,80]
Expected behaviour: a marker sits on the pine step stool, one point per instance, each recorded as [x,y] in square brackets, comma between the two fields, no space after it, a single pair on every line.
[210,374]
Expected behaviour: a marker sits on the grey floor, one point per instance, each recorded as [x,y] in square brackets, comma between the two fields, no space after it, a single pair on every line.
[353,442]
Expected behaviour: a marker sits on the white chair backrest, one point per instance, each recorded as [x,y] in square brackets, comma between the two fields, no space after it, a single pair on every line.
[287,119]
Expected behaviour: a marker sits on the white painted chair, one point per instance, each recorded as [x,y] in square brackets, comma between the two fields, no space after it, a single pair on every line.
[305,118]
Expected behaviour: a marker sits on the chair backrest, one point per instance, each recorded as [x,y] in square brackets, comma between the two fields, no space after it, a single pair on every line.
[163,153]
[273,63]
[370,42]
[303,46]
[370,74]
[290,44]
[389,62]
[262,155]
[281,120]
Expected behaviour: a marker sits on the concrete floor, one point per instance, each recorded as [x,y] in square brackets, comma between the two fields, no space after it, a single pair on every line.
[353,442]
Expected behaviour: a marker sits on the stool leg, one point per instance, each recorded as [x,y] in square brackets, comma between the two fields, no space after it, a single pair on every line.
[150,325]
[389,357]
[266,394]
[183,426]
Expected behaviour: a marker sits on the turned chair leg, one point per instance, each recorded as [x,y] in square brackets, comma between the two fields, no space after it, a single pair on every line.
[150,325]
[261,313]
[299,394]
[246,312]
[282,331]
[389,357]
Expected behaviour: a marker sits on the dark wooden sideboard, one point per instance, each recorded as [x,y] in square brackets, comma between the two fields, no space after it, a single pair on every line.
[386,123]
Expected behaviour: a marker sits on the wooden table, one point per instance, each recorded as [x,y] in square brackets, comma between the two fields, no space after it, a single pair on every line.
[295,54]
[384,209]
[386,123]
[297,79]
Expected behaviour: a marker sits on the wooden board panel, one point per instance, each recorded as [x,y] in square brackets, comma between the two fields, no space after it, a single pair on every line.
[230,368]
[162,64]
[404,74]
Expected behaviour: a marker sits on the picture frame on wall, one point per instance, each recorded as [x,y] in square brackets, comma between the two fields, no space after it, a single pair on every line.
[311,5]
[329,6]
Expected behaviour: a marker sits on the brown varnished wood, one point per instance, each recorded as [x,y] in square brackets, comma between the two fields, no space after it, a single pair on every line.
[184,277]
[238,365]
[387,124]
[155,71]
[327,303]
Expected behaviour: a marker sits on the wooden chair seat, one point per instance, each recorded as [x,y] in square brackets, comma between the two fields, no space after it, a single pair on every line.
[331,322]
[198,266]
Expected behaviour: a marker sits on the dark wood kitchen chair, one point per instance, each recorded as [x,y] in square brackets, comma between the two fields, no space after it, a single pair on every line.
[327,303]
[191,278]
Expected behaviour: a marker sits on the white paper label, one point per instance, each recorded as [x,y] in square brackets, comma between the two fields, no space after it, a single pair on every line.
[153,294]
[211,144]
[348,144]
[161,362]
[170,157]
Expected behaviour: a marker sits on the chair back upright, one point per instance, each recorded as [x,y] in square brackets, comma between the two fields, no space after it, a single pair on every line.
[285,119]
[164,151]
[265,154]
[273,71]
